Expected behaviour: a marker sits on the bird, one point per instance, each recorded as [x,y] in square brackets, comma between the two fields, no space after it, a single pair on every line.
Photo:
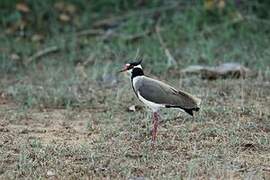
[156,94]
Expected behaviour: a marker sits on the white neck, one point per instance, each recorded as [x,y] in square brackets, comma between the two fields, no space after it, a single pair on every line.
[138,66]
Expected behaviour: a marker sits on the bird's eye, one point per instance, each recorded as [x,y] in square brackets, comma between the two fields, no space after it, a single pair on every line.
[128,66]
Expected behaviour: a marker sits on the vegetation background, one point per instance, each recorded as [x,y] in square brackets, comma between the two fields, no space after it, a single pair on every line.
[66,113]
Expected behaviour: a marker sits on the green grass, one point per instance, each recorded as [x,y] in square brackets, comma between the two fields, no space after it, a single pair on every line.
[57,123]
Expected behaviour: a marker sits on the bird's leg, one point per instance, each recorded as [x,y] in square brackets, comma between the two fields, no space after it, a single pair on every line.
[155,123]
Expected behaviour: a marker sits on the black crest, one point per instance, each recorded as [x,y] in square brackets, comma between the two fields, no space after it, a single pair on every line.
[136,63]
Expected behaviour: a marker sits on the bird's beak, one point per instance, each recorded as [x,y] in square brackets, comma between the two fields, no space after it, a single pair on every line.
[124,69]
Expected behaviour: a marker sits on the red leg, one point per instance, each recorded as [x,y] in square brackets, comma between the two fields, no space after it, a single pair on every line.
[155,123]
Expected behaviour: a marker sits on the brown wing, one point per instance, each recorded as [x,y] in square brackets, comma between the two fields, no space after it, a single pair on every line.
[161,93]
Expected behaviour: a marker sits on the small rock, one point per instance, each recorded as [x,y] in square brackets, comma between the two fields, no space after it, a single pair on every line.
[51,173]
[14,57]
[134,108]
[136,178]
[37,37]
[64,17]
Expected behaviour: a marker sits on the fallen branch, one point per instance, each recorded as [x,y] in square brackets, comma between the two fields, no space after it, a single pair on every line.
[170,58]
[105,36]
[89,60]
[90,32]
[137,56]
[137,36]
[111,21]
[42,53]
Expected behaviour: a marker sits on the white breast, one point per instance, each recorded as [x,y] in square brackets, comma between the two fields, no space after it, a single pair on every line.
[154,106]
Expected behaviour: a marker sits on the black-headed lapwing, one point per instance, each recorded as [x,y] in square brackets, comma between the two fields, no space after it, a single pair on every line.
[156,94]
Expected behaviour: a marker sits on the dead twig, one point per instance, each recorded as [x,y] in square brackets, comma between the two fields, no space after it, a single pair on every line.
[170,58]
[135,37]
[112,21]
[89,60]
[137,56]
[53,49]
[42,53]
[90,32]
[109,34]
[128,38]
[105,35]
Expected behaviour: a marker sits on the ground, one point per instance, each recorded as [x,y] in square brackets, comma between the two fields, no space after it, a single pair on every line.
[228,138]
[65,111]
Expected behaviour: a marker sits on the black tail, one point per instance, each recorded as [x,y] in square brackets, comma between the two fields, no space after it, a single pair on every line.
[189,111]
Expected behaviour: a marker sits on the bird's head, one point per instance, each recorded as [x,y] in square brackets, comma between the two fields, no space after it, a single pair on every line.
[130,66]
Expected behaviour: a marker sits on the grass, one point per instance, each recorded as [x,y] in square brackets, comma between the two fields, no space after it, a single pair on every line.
[225,140]
[54,122]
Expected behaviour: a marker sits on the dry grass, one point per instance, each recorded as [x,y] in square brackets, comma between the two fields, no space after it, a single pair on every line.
[228,138]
